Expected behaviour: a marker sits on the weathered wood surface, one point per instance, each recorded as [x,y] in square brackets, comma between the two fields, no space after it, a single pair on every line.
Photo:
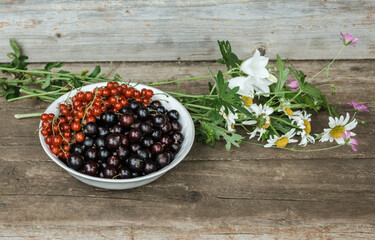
[248,193]
[159,30]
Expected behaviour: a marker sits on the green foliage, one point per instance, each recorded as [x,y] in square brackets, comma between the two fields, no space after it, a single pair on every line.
[229,99]
[42,80]
[95,72]
[228,57]
[18,59]
[8,91]
[50,66]
[211,132]
[47,81]
[282,74]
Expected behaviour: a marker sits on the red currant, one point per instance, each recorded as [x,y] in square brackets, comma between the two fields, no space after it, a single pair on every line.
[75,126]
[80,136]
[149,93]
[57,140]
[44,117]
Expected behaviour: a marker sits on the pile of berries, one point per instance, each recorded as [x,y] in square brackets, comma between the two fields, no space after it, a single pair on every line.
[114,131]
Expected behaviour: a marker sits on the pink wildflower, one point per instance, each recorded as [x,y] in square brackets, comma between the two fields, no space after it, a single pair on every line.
[291,84]
[350,141]
[348,39]
[358,107]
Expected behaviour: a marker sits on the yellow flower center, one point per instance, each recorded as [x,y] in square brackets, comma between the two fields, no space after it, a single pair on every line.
[307,126]
[247,101]
[264,121]
[282,142]
[337,131]
[288,111]
[232,126]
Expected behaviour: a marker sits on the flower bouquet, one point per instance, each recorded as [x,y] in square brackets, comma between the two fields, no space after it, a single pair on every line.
[272,103]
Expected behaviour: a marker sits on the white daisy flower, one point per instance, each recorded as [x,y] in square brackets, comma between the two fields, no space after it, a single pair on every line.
[247,101]
[281,141]
[264,121]
[230,118]
[338,126]
[302,119]
[285,108]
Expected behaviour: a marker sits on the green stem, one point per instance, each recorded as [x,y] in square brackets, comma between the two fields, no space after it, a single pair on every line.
[292,106]
[43,97]
[199,117]
[355,113]
[253,143]
[327,66]
[179,80]
[300,91]
[269,100]
[197,106]
[27,115]
[31,95]
[274,130]
[213,89]
[284,121]
[314,150]
[300,105]
[297,150]
[272,93]
[69,75]
[188,95]
[329,109]
[326,84]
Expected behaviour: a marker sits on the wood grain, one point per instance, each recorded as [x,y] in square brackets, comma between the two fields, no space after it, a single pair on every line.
[161,30]
[247,193]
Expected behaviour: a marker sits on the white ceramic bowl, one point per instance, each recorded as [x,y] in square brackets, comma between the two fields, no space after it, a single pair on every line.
[168,102]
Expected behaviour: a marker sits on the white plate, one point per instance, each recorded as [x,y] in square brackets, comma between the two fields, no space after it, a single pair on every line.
[168,102]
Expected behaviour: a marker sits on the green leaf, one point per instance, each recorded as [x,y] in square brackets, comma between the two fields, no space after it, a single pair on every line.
[229,99]
[47,81]
[16,49]
[76,83]
[117,77]
[11,55]
[281,127]
[312,91]
[233,139]
[327,73]
[334,110]
[299,76]
[282,74]
[22,64]
[210,132]
[11,92]
[103,75]
[95,72]
[228,58]
[84,72]
[210,87]
[49,66]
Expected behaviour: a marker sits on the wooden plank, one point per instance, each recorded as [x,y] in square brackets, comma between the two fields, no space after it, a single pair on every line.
[121,30]
[248,193]
[199,195]
[174,231]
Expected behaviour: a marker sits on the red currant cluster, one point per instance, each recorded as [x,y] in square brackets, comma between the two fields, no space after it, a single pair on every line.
[62,131]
